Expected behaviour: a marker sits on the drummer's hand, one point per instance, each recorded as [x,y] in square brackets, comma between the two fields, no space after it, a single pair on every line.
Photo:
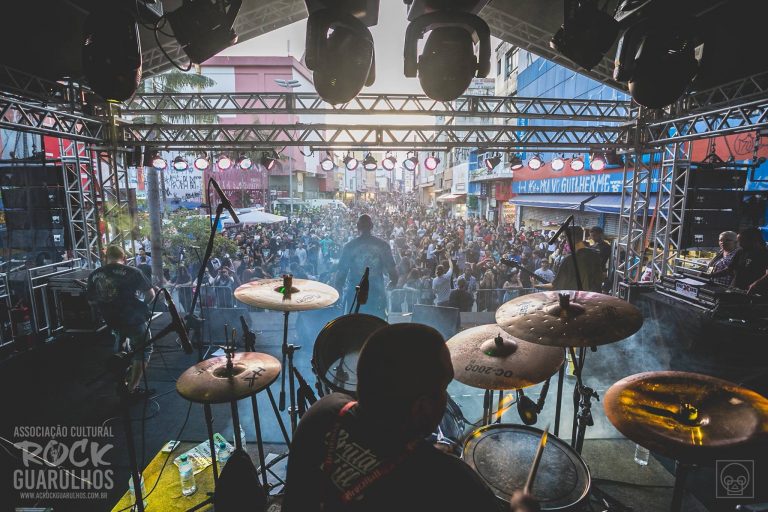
[523,503]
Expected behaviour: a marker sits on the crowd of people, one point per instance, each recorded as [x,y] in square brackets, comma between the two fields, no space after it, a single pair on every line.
[471,264]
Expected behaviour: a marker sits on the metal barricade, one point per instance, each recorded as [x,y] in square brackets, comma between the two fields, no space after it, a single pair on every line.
[217,297]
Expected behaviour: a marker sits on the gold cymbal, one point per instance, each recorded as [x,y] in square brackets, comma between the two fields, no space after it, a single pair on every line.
[581,319]
[305,295]
[210,382]
[486,357]
[686,416]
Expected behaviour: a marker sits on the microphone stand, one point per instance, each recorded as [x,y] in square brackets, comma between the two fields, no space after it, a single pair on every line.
[195,322]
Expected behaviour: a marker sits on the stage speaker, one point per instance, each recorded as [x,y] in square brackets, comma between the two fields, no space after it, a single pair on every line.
[718,179]
[713,199]
[111,52]
[446,320]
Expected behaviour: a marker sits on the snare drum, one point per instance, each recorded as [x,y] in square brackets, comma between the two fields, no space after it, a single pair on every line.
[502,455]
[337,347]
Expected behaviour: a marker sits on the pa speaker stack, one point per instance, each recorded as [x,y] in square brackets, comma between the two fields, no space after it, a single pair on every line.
[34,208]
[713,205]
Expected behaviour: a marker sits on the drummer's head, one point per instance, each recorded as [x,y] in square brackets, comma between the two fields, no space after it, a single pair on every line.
[364,224]
[402,376]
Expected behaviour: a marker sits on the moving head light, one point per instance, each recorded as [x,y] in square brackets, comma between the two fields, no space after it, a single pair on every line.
[204,27]
[586,34]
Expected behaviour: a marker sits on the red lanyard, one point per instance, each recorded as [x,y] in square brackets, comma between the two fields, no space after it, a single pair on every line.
[364,481]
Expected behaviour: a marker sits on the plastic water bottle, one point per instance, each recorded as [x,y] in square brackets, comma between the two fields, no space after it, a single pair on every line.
[132,492]
[641,455]
[187,475]
[222,455]
[242,438]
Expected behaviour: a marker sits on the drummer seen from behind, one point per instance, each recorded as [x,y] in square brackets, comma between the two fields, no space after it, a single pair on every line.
[371,455]
[366,251]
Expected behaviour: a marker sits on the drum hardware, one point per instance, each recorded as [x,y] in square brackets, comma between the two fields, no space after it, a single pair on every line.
[688,417]
[286,295]
[527,408]
[569,319]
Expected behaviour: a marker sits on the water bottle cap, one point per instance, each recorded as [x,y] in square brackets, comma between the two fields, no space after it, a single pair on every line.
[183,457]
[222,444]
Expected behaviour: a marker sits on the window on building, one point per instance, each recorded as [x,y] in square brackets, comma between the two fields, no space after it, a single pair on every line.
[498,67]
[510,62]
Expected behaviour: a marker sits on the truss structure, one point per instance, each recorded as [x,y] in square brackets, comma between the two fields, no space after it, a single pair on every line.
[493,107]
[28,116]
[670,207]
[80,183]
[344,136]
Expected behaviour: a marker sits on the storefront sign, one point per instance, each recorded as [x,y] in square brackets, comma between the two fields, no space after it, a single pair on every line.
[583,184]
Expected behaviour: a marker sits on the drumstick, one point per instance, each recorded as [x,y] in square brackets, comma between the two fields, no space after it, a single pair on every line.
[536,460]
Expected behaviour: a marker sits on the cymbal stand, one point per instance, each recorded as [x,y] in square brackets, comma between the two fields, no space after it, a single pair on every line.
[681,476]
[583,417]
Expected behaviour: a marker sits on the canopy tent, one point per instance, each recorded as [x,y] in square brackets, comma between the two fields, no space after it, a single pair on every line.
[256,217]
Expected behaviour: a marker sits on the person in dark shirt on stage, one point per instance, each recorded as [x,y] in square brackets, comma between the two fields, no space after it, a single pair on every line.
[366,251]
[590,267]
[372,455]
[749,263]
[113,289]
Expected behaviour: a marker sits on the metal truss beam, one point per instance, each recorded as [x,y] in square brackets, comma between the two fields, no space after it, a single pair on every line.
[25,116]
[82,203]
[739,91]
[670,207]
[748,116]
[378,104]
[263,16]
[16,82]
[536,40]
[436,137]
[634,214]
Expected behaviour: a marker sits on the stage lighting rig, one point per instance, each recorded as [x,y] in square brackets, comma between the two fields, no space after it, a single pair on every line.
[370,163]
[327,164]
[244,162]
[269,159]
[180,163]
[339,47]
[491,162]
[204,27]
[515,162]
[431,162]
[158,162]
[350,162]
[577,163]
[597,162]
[586,34]
[558,163]
[447,63]
[411,163]
[389,162]
[202,162]
[224,163]
[535,163]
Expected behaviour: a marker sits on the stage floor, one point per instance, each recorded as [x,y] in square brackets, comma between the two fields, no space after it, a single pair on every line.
[51,386]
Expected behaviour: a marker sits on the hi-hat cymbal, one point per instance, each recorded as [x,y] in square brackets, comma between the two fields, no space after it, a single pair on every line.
[686,416]
[210,382]
[582,319]
[486,357]
[306,295]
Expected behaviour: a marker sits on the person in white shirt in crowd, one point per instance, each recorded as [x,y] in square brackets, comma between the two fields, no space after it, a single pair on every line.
[544,271]
[301,254]
[441,284]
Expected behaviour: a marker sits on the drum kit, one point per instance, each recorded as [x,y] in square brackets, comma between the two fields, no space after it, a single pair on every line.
[685,416]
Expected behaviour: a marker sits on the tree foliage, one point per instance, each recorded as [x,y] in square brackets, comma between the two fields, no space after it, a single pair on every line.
[184,231]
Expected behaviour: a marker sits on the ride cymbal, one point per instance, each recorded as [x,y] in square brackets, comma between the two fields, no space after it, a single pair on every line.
[569,318]
[486,357]
[686,416]
[269,294]
[211,382]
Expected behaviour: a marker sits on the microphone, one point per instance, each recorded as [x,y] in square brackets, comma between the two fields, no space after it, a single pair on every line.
[178,323]
[562,229]
[362,295]
[224,201]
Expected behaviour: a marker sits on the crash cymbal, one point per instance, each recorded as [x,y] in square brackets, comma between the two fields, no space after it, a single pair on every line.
[569,318]
[211,382]
[305,295]
[686,416]
[486,357]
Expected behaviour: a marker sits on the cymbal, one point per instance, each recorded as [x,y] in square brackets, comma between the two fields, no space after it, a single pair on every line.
[686,416]
[583,319]
[306,295]
[486,357]
[210,382]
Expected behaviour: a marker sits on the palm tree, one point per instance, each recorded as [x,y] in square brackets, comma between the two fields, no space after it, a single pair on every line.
[173,81]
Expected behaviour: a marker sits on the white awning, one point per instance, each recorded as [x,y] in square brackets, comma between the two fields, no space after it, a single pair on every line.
[449,197]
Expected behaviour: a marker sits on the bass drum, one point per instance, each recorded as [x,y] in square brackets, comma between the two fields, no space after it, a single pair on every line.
[337,347]
[502,455]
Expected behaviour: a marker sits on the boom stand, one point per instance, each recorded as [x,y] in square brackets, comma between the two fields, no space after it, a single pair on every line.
[287,351]
[193,320]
